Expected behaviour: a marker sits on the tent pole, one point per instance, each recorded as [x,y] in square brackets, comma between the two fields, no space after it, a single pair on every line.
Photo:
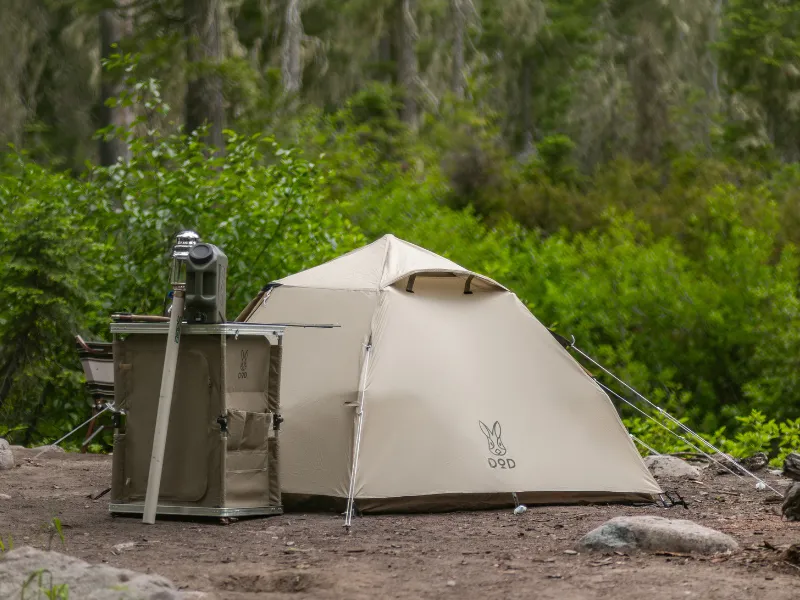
[362,385]
[164,406]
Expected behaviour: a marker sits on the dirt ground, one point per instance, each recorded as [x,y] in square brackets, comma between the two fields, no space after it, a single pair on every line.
[482,555]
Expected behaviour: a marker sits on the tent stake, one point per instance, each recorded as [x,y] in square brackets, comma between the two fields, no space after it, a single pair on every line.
[348,518]
[164,406]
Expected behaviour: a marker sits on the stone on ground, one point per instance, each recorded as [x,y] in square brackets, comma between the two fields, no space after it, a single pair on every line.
[754,463]
[791,503]
[791,466]
[671,466]
[656,534]
[6,456]
[89,582]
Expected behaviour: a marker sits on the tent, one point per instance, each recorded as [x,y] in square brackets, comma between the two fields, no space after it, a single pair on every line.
[438,391]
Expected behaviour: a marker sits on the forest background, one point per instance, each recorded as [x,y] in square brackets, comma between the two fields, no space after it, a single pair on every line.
[629,168]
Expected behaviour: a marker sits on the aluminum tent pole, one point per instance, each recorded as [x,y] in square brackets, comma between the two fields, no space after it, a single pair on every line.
[164,406]
[184,242]
[362,385]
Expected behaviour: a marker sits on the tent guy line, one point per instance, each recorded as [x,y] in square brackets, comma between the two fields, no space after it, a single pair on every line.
[86,422]
[645,446]
[669,416]
[668,430]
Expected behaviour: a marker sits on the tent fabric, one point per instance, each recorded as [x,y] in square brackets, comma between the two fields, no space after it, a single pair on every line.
[468,398]
[376,266]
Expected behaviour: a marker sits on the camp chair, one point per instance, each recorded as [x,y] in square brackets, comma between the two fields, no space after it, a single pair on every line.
[97,359]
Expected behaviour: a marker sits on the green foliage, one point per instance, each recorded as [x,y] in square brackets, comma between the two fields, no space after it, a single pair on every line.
[8,545]
[76,250]
[756,433]
[53,266]
[40,585]
[761,54]
[54,529]
[682,278]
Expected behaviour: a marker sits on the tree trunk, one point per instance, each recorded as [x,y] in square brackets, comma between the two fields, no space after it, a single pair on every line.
[204,102]
[646,76]
[115,26]
[36,414]
[407,68]
[9,370]
[525,107]
[291,59]
[459,25]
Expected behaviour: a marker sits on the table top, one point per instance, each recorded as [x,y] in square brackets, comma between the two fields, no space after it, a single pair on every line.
[234,329]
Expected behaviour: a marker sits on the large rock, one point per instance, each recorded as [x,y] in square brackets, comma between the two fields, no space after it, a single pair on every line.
[656,534]
[791,503]
[671,466]
[6,456]
[791,466]
[90,582]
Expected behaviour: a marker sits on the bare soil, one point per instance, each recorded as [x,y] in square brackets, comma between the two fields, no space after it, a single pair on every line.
[492,554]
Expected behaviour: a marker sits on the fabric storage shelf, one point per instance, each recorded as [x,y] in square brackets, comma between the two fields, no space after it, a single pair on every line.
[222,446]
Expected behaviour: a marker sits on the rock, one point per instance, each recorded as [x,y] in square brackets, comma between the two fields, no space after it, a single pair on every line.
[792,554]
[724,464]
[6,456]
[791,466]
[119,548]
[791,503]
[90,582]
[656,534]
[5,497]
[754,463]
[671,466]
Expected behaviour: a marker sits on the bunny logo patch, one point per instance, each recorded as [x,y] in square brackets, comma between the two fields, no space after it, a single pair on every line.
[243,365]
[496,447]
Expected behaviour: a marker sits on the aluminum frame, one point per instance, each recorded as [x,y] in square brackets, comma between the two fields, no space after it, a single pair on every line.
[196,511]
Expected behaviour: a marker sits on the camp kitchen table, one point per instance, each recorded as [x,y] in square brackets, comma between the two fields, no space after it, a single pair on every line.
[222,448]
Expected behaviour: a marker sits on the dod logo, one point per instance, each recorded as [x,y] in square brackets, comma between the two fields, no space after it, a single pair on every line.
[496,446]
[243,365]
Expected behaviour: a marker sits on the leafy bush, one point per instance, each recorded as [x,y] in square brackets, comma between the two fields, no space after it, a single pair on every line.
[75,250]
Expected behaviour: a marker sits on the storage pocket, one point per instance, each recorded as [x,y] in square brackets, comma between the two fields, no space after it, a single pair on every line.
[247,479]
[248,430]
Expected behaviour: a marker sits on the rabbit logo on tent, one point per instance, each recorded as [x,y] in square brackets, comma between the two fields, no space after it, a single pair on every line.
[496,446]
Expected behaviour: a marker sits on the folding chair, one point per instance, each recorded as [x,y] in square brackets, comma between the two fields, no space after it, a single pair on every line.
[97,359]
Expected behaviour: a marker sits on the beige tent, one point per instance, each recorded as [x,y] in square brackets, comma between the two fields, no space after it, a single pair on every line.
[439,391]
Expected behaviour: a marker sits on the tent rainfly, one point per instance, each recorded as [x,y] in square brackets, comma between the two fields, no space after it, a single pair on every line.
[440,391]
